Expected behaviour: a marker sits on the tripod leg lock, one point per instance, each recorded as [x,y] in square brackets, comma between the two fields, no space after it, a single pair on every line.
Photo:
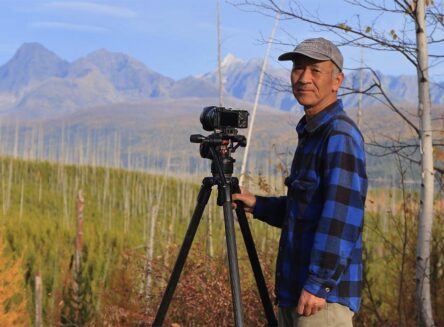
[223,194]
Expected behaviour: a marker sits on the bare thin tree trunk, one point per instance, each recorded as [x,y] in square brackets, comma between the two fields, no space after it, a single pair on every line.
[219,57]
[129,154]
[150,243]
[9,190]
[40,187]
[22,192]
[361,77]
[79,233]
[210,246]
[117,150]
[258,93]
[150,255]
[78,254]
[402,321]
[423,298]
[16,140]
[40,143]
[126,205]
[169,241]
[38,301]
[105,196]
[65,188]
[61,155]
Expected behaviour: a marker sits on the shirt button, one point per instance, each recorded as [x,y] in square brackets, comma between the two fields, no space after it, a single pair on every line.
[327,289]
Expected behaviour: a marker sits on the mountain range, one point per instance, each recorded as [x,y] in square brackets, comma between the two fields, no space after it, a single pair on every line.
[37,83]
[109,109]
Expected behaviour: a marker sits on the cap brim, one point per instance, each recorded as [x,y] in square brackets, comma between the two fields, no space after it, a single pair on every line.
[310,54]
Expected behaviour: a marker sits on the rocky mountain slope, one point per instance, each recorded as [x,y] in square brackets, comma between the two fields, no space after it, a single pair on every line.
[38,83]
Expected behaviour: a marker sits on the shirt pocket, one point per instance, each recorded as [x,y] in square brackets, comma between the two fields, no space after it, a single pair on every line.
[302,193]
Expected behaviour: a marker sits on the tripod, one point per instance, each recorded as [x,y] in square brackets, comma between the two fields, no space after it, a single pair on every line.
[221,168]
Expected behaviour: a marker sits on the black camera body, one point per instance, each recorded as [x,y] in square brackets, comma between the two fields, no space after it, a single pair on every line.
[225,139]
[220,118]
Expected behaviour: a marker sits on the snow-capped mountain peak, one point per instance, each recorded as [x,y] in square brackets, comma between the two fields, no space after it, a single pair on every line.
[231,59]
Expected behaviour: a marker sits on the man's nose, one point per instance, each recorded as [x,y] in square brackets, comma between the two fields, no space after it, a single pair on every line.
[305,75]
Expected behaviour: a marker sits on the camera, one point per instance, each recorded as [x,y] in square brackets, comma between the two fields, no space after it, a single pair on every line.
[225,138]
[220,118]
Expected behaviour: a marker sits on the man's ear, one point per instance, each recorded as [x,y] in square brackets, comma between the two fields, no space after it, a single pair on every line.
[337,81]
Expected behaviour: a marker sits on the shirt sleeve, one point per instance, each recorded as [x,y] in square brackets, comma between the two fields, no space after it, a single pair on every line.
[340,226]
[270,210]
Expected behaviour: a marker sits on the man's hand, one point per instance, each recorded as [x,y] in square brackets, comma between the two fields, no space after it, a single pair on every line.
[309,304]
[246,197]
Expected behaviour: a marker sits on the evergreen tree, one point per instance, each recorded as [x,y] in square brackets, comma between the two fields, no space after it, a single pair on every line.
[77,295]
[78,304]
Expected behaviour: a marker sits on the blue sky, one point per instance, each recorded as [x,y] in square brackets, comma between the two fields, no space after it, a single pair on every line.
[174,37]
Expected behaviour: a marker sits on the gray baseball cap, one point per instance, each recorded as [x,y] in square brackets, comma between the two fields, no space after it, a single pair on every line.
[318,48]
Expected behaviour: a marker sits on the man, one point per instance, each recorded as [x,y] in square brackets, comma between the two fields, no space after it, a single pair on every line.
[319,264]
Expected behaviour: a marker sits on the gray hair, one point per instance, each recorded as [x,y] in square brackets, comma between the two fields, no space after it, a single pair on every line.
[335,71]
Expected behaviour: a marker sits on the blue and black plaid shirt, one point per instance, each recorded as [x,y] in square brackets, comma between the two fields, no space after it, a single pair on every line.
[321,217]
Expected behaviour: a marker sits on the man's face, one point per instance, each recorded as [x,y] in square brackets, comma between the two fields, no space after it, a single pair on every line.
[315,83]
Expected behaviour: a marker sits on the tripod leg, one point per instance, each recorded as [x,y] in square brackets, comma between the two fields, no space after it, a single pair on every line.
[255,264]
[202,199]
[256,267]
[232,256]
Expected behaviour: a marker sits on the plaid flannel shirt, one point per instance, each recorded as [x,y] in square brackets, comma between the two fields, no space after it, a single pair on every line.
[320,248]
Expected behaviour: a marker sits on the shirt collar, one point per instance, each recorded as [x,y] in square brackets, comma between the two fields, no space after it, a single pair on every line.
[319,119]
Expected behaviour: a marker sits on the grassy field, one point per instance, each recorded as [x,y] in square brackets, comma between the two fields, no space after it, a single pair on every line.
[133,225]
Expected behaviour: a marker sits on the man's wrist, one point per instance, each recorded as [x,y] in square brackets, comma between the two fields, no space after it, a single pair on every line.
[258,205]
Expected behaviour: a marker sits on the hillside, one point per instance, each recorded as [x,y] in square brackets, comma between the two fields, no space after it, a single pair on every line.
[143,136]
[133,225]
[123,211]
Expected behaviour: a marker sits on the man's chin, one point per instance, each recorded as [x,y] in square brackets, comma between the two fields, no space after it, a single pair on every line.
[303,100]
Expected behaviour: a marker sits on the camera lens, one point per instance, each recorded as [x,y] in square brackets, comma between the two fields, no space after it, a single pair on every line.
[207,118]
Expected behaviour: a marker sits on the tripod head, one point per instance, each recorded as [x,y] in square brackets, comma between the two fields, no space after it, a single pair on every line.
[218,147]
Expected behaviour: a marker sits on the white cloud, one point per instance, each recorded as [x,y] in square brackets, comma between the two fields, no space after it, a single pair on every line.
[67,26]
[95,8]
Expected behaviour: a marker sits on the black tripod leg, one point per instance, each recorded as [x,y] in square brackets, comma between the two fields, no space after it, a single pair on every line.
[255,264]
[202,199]
[232,256]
